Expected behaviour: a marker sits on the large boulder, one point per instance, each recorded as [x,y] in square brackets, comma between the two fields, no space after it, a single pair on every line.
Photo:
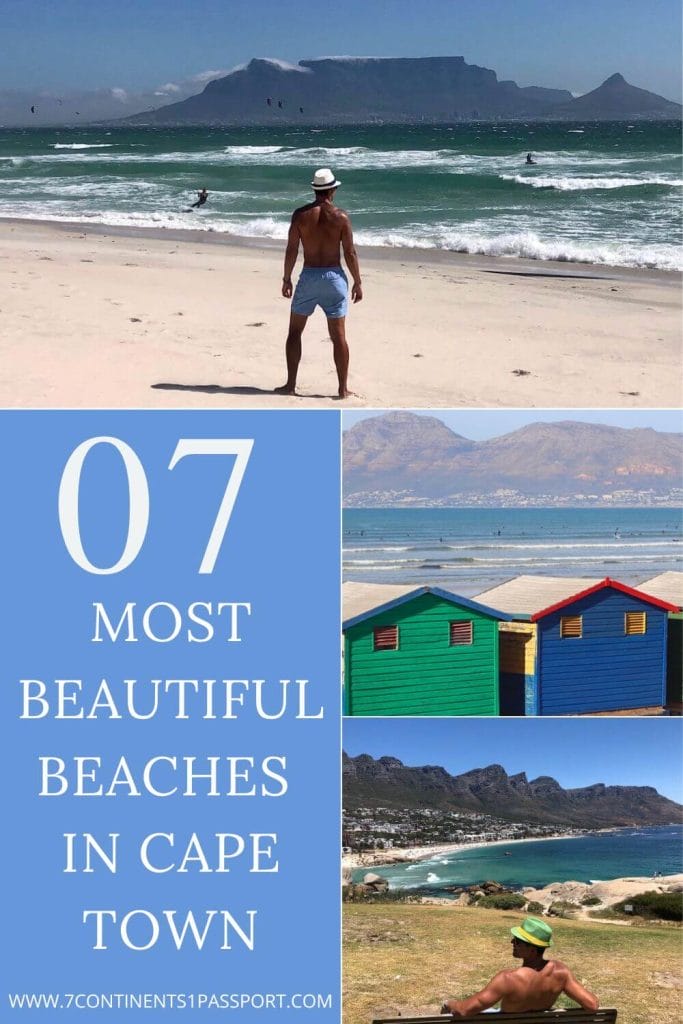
[375,882]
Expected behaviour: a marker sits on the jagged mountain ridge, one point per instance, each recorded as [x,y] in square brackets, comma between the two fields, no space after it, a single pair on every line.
[387,782]
[402,451]
[337,90]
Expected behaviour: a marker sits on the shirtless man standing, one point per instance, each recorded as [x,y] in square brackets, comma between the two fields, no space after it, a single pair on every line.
[533,986]
[322,228]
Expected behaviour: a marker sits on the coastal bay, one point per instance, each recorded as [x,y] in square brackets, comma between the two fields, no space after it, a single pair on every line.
[625,861]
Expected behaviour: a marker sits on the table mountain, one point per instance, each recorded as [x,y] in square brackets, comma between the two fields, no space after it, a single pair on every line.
[387,782]
[337,90]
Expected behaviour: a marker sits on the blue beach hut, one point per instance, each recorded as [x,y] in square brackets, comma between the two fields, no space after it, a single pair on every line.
[418,651]
[668,586]
[580,646]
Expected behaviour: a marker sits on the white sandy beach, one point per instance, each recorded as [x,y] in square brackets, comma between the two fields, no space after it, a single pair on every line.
[608,892]
[107,319]
[409,854]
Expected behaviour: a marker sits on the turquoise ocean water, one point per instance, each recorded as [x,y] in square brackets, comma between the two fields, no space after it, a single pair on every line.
[590,858]
[469,550]
[600,192]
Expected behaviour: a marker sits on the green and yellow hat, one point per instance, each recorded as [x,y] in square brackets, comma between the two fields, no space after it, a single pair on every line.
[536,932]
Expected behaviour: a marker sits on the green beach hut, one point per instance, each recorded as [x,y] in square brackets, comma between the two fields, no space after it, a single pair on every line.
[418,651]
[668,586]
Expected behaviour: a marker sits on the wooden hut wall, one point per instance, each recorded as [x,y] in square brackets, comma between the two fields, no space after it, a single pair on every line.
[426,675]
[604,669]
[518,645]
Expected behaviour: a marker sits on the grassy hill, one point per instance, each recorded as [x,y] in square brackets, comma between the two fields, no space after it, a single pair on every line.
[408,958]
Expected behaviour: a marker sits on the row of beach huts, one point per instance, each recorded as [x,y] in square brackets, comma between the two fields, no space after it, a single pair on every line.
[535,645]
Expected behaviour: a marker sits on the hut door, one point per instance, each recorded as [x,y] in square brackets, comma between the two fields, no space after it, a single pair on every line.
[516,664]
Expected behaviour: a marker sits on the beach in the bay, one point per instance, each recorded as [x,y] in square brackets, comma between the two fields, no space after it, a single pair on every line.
[601,892]
[117,317]
[410,854]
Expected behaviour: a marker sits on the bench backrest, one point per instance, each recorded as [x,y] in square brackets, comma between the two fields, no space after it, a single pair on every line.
[530,1017]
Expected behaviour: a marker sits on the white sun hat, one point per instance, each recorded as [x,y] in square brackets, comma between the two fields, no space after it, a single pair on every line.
[324,178]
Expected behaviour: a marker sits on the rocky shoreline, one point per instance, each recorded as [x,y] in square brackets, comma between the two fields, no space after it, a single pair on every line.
[582,900]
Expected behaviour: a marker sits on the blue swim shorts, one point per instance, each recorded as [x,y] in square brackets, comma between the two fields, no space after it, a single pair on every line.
[322,286]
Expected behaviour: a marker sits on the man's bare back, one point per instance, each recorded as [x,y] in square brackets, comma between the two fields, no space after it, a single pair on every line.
[533,986]
[527,989]
[321,229]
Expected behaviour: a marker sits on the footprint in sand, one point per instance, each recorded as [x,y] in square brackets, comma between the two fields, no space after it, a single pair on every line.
[135,319]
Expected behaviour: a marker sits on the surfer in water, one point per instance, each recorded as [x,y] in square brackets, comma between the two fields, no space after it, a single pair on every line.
[203,195]
[533,986]
[530,159]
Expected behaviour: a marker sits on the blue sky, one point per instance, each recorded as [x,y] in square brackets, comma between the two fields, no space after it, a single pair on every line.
[575,751]
[70,45]
[477,424]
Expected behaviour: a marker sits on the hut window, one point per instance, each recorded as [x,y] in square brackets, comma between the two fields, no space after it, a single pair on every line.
[386,638]
[460,633]
[635,623]
[571,627]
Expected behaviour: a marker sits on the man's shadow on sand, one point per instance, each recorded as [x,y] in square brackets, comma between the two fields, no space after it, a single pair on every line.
[216,389]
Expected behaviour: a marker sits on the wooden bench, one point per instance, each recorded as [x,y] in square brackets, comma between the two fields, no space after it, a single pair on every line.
[530,1017]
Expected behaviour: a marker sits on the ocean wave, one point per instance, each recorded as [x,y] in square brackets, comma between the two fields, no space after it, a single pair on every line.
[251,150]
[257,227]
[82,145]
[449,237]
[579,184]
[368,550]
[606,545]
[495,562]
[526,245]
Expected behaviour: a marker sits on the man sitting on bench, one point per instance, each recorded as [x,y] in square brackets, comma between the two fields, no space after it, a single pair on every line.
[533,986]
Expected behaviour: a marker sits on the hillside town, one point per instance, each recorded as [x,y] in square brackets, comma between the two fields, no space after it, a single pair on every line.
[388,828]
[509,497]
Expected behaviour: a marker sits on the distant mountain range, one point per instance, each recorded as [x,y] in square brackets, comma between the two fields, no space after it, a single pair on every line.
[387,782]
[358,90]
[421,457]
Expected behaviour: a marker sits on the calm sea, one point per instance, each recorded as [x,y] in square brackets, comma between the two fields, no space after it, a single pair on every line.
[469,550]
[600,192]
[591,858]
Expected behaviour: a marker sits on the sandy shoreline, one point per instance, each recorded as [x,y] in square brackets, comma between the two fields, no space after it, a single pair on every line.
[410,854]
[102,317]
[607,892]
